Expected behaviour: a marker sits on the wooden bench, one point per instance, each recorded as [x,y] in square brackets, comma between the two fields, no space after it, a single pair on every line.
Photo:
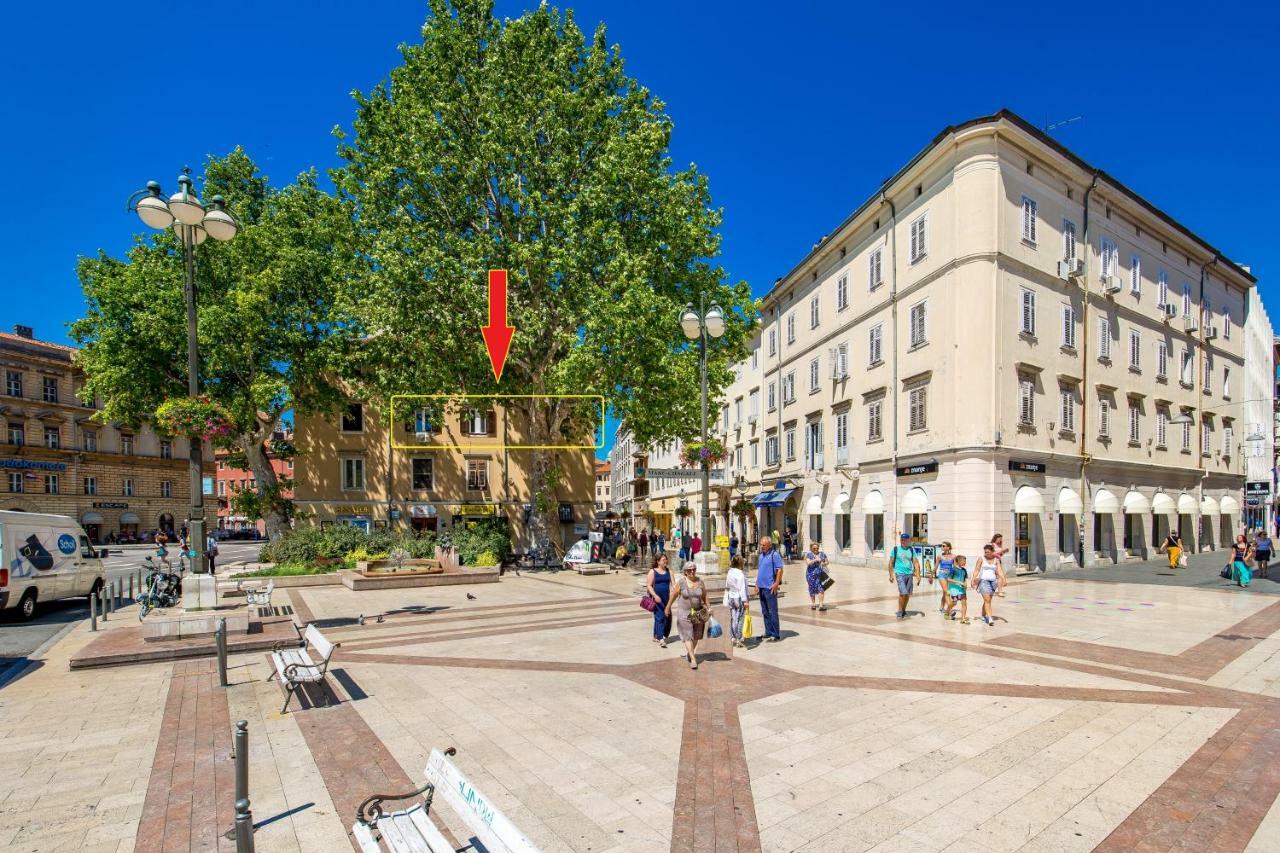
[412,830]
[296,667]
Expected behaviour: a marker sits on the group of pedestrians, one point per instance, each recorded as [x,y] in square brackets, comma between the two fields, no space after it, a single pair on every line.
[952,572]
[1246,556]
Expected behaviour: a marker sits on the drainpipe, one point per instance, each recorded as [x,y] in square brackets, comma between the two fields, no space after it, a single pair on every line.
[1197,382]
[893,325]
[1084,368]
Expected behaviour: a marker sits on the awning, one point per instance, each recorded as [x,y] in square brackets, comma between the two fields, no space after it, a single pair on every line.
[1230,506]
[91,518]
[1027,499]
[1136,503]
[915,502]
[768,499]
[1208,506]
[129,518]
[1162,504]
[1069,502]
[1186,504]
[814,505]
[841,503]
[873,503]
[1104,501]
[422,511]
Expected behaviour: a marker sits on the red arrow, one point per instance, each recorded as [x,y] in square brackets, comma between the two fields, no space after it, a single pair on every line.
[497,335]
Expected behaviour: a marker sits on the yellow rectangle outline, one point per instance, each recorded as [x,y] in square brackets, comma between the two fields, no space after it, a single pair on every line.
[392,423]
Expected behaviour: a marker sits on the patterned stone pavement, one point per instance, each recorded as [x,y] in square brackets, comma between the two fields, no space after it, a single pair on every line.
[1094,715]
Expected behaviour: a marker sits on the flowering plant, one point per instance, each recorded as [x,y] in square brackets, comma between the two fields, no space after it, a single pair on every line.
[695,454]
[743,508]
[193,418]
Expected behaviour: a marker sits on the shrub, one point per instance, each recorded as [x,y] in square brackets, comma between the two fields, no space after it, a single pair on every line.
[485,558]
[420,547]
[380,542]
[338,540]
[301,545]
[480,538]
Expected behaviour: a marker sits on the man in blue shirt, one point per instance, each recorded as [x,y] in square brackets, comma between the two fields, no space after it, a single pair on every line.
[904,568]
[768,579]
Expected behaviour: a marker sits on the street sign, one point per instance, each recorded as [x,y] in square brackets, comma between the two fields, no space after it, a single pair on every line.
[691,473]
[1257,487]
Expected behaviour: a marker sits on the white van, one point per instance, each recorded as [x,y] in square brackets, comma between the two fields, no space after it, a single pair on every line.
[45,557]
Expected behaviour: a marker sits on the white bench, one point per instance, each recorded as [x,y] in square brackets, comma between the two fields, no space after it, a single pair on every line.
[260,597]
[412,830]
[296,667]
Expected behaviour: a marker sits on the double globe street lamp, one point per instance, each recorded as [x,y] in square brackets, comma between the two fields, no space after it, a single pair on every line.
[193,222]
[699,324]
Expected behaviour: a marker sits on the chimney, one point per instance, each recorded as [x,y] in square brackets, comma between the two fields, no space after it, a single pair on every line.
[24,331]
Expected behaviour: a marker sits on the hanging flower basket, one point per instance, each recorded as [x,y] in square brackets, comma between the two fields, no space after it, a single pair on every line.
[743,508]
[192,418]
[695,454]
[683,512]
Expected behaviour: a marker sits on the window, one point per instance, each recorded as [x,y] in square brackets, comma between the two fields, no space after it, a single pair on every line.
[1226,441]
[90,485]
[789,442]
[1186,437]
[874,420]
[1162,427]
[1226,323]
[477,475]
[755,454]
[1026,401]
[352,473]
[875,344]
[1104,339]
[353,418]
[875,269]
[222,488]
[737,412]
[1028,312]
[1135,349]
[773,341]
[1068,240]
[841,356]
[422,420]
[919,330]
[791,328]
[1135,275]
[90,440]
[773,396]
[813,445]
[166,488]
[1104,418]
[128,488]
[1186,299]
[1162,359]
[753,407]
[1206,437]
[917,412]
[1206,316]
[1162,288]
[1185,374]
[13,383]
[50,484]
[1226,382]
[919,246]
[1068,327]
[126,444]
[1208,373]
[52,438]
[1109,256]
[166,449]
[771,450]
[17,434]
[1135,422]
[1028,220]
[50,389]
[813,313]
[15,481]
[813,375]
[724,418]
[789,387]
[477,422]
[423,474]
[755,358]
[842,292]
[1067,415]
[842,436]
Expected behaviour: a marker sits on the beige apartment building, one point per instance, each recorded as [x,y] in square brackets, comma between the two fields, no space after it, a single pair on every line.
[117,480]
[1001,339]
[431,470]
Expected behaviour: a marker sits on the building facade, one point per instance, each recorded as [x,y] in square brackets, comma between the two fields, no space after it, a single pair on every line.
[1258,396]
[230,480]
[627,495]
[117,480]
[355,468]
[603,488]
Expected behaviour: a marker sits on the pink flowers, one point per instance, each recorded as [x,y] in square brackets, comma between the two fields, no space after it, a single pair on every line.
[192,418]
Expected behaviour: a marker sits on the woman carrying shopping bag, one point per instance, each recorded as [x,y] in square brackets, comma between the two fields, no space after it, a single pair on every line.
[1241,553]
[689,599]
[735,599]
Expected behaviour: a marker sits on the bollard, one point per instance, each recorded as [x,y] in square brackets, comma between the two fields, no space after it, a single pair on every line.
[220,643]
[115,594]
[131,598]
[240,745]
[93,610]
[244,827]
[104,601]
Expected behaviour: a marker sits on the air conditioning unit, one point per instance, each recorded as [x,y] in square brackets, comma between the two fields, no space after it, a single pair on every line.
[1210,333]
[1073,268]
[1110,285]
[1189,324]
[422,436]
[1170,311]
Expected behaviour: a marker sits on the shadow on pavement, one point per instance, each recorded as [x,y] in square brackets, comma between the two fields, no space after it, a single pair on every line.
[13,669]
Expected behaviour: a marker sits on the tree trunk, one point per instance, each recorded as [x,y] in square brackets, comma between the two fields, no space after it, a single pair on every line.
[264,475]
[544,522]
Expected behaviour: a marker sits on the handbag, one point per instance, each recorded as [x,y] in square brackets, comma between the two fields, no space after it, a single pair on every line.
[746,626]
[1225,574]
[649,603]
[713,628]
[826,580]
[700,616]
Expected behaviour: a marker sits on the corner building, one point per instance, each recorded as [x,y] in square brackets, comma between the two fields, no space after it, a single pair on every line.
[1002,339]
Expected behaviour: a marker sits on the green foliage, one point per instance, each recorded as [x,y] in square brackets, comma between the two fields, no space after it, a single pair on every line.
[302,545]
[291,570]
[338,540]
[485,558]
[523,145]
[269,498]
[481,538]
[345,544]
[192,418]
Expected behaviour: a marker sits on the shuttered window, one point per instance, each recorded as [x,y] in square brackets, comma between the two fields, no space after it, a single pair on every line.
[875,269]
[919,328]
[1135,349]
[1104,418]
[1028,219]
[1162,427]
[1135,423]
[875,344]
[1068,240]
[1162,359]
[1104,338]
[1028,312]
[842,293]
[874,420]
[919,246]
[1135,274]
[1068,327]
[917,414]
[1067,415]
[1026,401]
[1162,288]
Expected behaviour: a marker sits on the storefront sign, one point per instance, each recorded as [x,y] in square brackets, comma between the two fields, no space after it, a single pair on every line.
[109,505]
[1257,487]
[33,463]
[1029,467]
[355,509]
[394,515]
[566,513]
[476,509]
[1250,501]
[686,473]
[922,468]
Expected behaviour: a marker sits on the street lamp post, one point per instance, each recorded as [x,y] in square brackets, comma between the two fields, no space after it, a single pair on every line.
[698,325]
[193,222]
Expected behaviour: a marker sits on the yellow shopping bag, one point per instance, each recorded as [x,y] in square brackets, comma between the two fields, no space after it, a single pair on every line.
[746,626]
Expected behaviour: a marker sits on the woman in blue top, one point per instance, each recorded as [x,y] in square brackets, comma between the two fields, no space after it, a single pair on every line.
[904,568]
[945,563]
[659,585]
[1262,551]
[815,562]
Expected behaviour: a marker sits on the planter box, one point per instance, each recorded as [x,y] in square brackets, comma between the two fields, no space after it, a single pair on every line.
[393,580]
[382,568]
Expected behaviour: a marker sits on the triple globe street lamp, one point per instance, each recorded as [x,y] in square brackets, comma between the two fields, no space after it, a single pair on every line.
[193,222]
[699,324]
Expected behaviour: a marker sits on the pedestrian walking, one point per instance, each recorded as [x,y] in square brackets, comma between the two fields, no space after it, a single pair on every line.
[1262,551]
[768,580]
[945,564]
[733,546]
[1240,554]
[735,599]
[689,598]
[955,589]
[658,583]
[1173,547]
[695,546]
[815,567]
[904,568]
[644,545]
[787,542]
[989,580]
[998,542]
[686,545]
[211,550]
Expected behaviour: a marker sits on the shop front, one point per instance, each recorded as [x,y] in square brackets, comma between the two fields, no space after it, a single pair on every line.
[1187,508]
[1106,506]
[1164,514]
[129,522]
[915,515]
[772,506]
[873,523]
[424,517]
[1136,509]
[1228,521]
[813,512]
[842,522]
[1070,510]
[357,515]
[1209,513]
[92,522]
[1028,536]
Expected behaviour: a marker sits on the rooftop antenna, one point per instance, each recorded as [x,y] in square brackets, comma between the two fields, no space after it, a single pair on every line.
[1050,128]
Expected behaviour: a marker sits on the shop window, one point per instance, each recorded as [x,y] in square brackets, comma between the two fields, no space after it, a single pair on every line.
[875,531]
[842,530]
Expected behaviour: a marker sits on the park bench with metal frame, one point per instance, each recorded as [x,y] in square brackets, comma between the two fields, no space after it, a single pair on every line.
[296,667]
[413,831]
[260,597]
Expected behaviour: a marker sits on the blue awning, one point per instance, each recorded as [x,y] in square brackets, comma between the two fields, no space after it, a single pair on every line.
[768,499]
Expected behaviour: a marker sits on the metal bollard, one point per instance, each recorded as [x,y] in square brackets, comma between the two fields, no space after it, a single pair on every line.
[240,747]
[244,827]
[104,600]
[131,598]
[93,610]
[115,594]
[220,643]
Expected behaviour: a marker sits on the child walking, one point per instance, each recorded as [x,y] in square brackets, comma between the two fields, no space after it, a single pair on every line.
[735,598]
[945,564]
[955,588]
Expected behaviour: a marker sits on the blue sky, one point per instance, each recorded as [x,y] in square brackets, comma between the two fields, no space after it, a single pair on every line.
[795,111]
